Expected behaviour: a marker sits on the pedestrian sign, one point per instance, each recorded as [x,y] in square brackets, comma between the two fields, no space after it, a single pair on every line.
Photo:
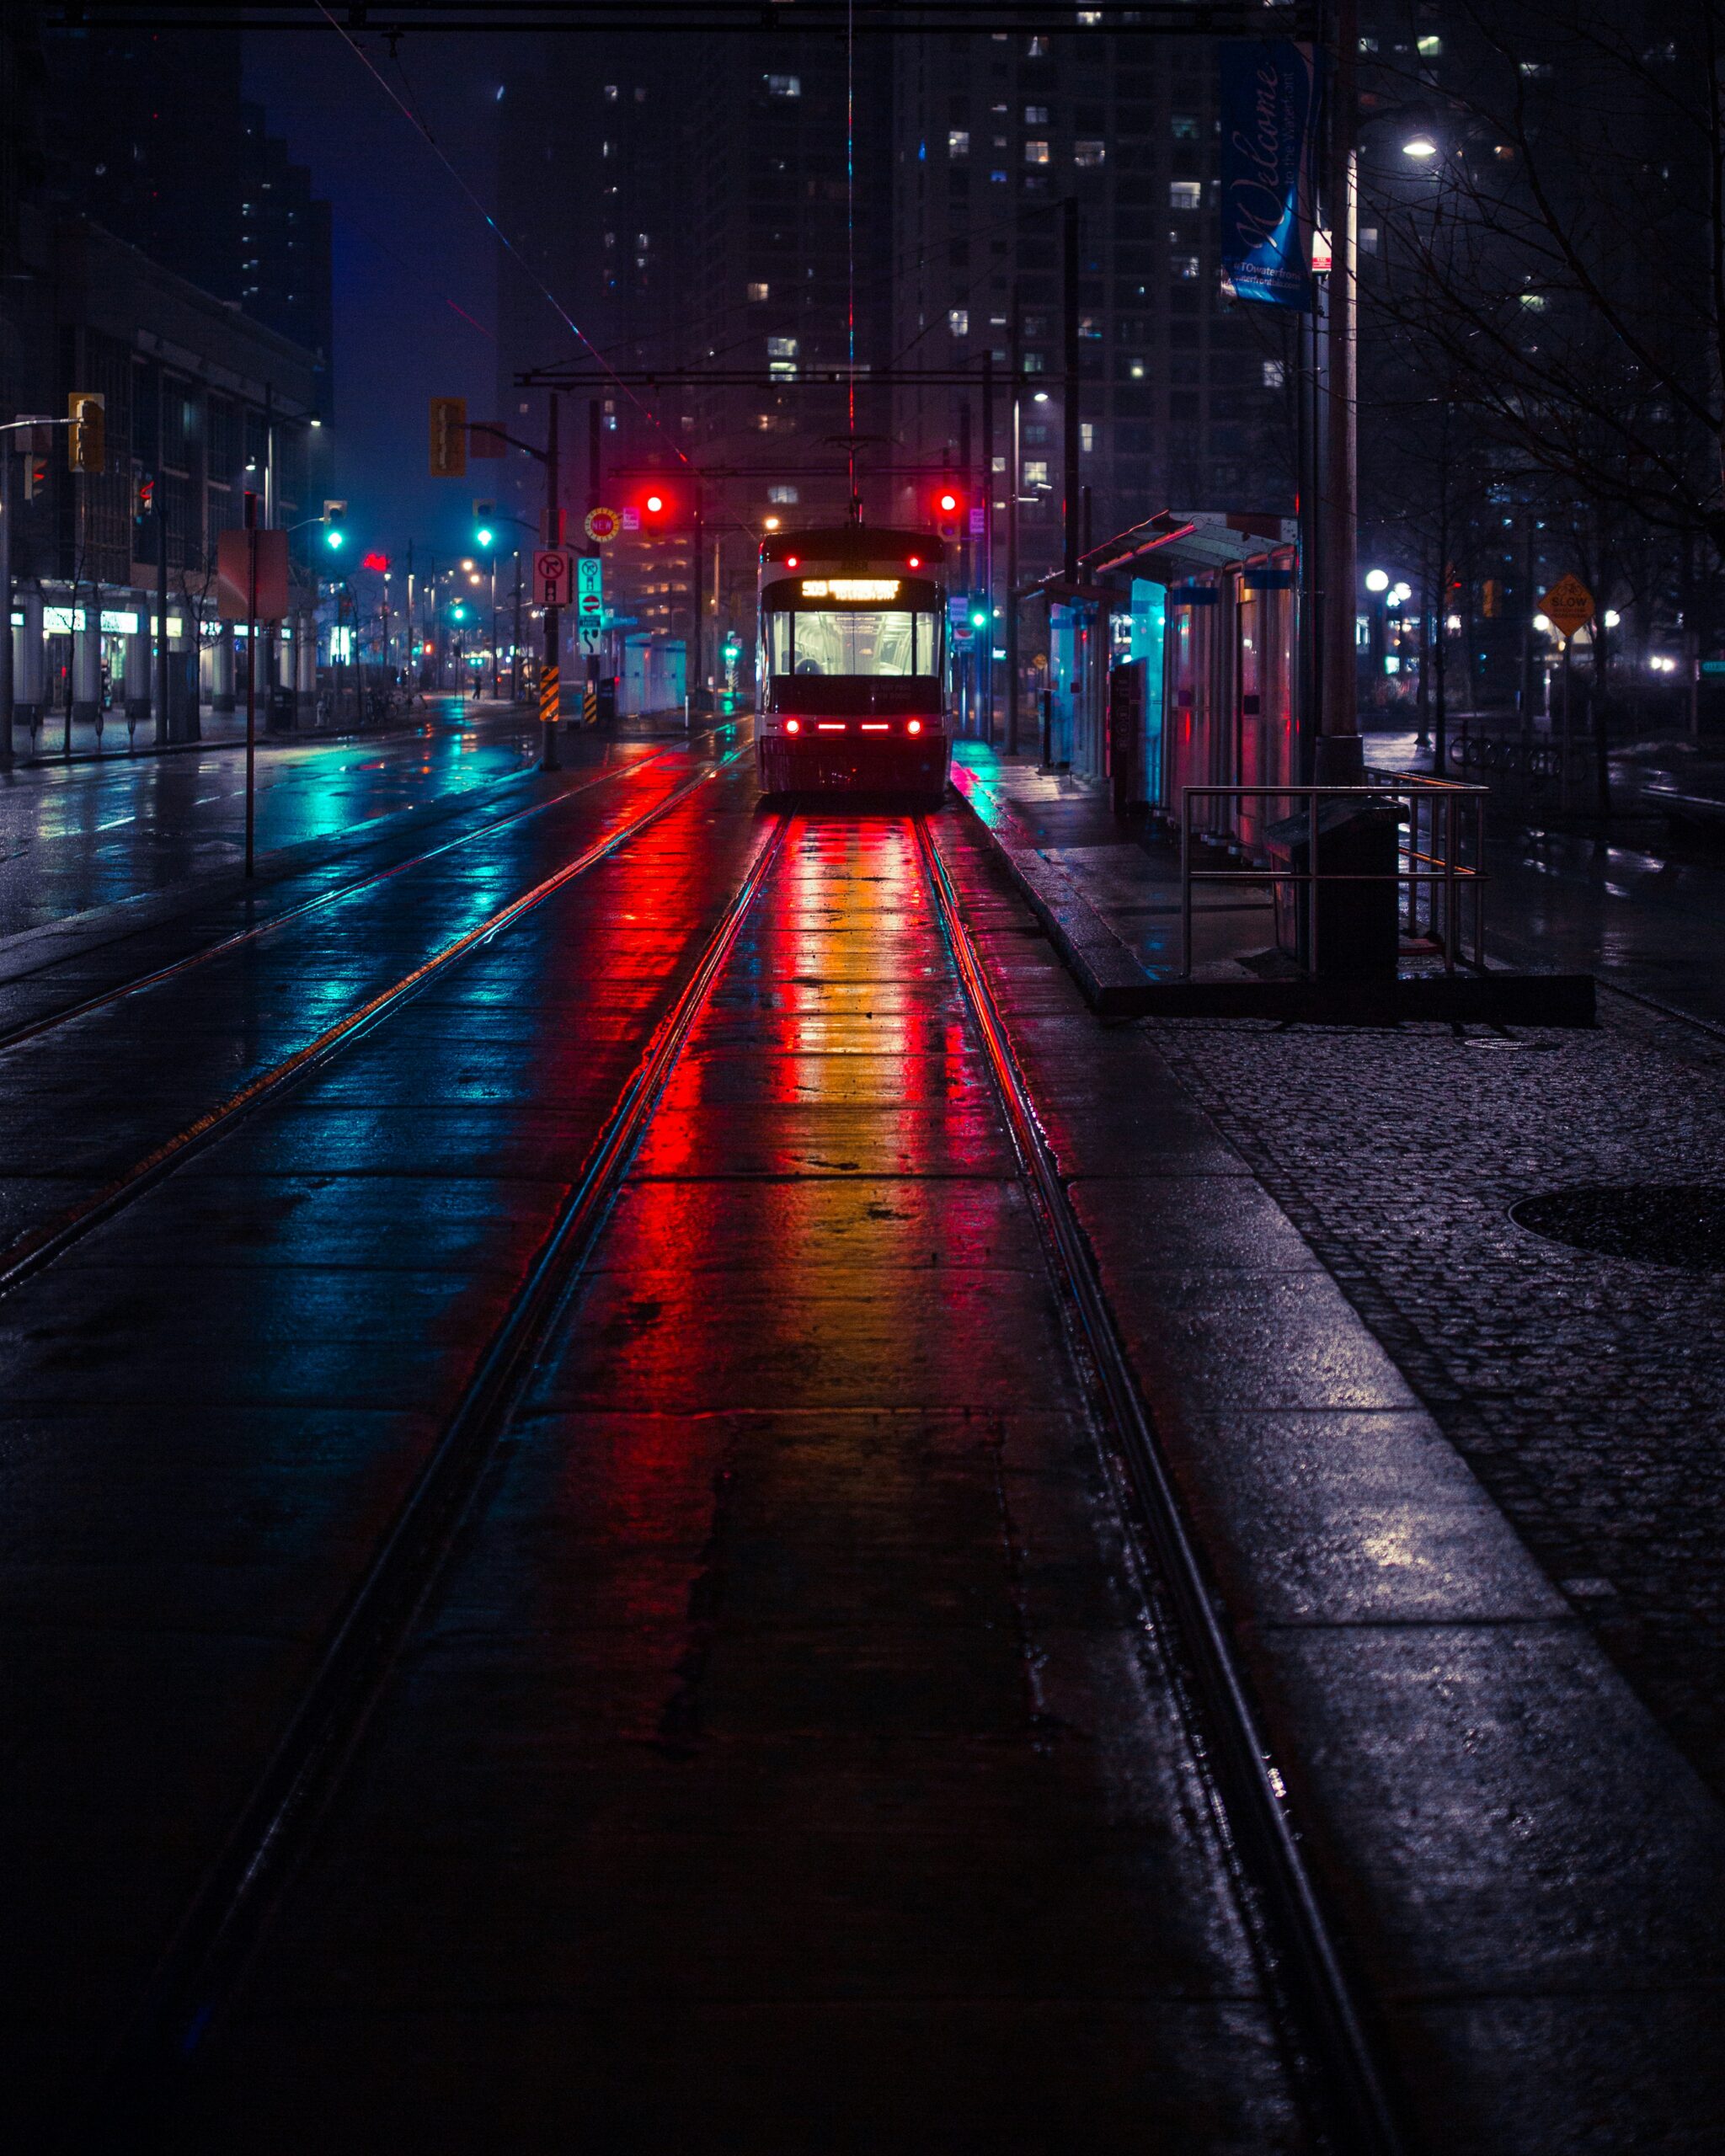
[1568,605]
[552,576]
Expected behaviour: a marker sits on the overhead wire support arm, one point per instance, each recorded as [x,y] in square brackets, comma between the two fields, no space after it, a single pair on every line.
[579,377]
[747,18]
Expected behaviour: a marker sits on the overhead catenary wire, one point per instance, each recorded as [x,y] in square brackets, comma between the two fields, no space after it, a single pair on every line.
[503,238]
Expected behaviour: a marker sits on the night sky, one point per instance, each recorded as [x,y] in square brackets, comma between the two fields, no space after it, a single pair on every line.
[410,251]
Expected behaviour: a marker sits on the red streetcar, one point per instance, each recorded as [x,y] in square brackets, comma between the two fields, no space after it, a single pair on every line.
[851,680]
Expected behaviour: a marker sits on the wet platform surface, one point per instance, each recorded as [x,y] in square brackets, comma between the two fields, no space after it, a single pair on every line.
[787,1754]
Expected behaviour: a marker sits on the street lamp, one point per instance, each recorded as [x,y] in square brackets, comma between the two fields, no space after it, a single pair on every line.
[1377,579]
[1420,146]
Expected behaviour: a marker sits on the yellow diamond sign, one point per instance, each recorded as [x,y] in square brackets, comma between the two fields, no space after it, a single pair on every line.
[1568,605]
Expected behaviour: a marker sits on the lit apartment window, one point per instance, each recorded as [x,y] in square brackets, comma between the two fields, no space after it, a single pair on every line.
[1038,49]
[1185,193]
[1134,369]
[781,494]
[1087,437]
[611,93]
[1036,116]
[784,86]
[1274,374]
[1035,152]
[781,347]
[1184,266]
[959,321]
[1036,471]
[1430,47]
[757,293]
[1089,154]
[1090,325]
[1185,127]
[957,143]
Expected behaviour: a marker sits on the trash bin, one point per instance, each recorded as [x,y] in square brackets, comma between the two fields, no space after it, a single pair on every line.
[282,715]
[1358,924]
[607,700]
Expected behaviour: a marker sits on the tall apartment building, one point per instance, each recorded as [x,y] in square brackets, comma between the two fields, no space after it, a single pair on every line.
[1182,391]
[148,135]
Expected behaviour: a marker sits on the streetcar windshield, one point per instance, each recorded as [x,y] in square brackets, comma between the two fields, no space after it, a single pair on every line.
[856,640]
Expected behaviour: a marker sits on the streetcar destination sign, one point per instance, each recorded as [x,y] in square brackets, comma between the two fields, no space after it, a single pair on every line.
[850,587]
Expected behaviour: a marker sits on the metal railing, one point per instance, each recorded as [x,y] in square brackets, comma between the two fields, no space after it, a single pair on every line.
[1440,854]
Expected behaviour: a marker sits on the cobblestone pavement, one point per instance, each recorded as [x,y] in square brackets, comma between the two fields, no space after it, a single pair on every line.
[1587,1391]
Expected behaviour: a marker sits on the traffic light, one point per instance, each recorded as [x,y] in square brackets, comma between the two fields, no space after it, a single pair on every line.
[484,534]
[978,614]
[86,437]
[449,437]
[659,508]
[377,564]
[36,476]
[334,526]
[144,499]
[948,506]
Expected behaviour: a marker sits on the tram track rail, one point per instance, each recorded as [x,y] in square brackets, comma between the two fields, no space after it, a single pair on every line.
[1344,2080]
[215,1937]
[177,968]
[1345,2088]
[41,1247]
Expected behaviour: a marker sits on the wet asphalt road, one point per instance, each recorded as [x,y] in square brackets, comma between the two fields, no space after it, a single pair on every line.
[1647,916]
[88,834]
[783,1760]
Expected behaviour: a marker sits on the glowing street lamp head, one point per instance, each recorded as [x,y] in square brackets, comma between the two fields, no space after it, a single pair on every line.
[1377,580]
[1420,146]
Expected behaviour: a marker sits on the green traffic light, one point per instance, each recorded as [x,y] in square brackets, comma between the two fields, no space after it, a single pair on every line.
[484,535]
[334,540]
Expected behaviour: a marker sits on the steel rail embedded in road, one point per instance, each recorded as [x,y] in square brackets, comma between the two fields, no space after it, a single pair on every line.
[35,1252]
[1342,2076]
[209,1950]
[35,1027]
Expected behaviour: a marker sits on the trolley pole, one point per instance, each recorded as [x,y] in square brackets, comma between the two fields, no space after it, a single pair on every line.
[550,685]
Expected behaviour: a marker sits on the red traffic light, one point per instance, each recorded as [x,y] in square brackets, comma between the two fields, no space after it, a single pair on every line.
[380,563]
[659,508]
[946,502]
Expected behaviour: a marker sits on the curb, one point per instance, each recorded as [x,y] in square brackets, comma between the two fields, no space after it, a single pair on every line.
[1115,985]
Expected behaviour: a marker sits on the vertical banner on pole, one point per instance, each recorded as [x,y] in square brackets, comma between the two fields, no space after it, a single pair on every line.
[1270,92]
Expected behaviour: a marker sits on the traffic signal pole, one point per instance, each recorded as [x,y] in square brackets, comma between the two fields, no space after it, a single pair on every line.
[550,685]
[7,677]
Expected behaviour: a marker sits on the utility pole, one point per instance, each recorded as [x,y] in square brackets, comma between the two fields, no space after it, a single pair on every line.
[1070,220]
[8,689]
[515,655]
[988,541]
[550,685]
[966,474]
[1340,759]
[251,664]
[1016,466]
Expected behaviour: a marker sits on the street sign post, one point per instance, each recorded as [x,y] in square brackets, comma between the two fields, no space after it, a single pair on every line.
[589,591]
[553,576]
[1568,605]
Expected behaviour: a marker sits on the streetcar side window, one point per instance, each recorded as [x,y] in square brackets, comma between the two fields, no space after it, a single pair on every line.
[857,640]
